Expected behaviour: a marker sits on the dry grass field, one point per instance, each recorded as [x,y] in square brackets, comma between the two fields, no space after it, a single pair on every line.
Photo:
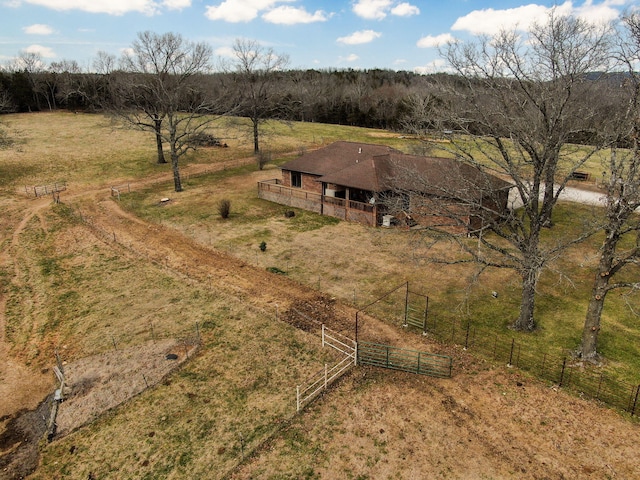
[113,287]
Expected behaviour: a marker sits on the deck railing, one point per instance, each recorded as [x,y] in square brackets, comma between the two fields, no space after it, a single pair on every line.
[274,191]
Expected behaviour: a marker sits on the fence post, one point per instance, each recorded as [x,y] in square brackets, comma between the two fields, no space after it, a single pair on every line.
[513,342]
[323,335]
[297,398]
[466,338]
[325,376]
[564,364]
[635,401]
[406,306]
[355,353]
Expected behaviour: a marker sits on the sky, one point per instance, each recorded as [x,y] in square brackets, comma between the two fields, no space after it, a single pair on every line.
[329,34]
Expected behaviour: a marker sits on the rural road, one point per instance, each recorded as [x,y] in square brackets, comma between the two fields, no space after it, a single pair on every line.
[569,194]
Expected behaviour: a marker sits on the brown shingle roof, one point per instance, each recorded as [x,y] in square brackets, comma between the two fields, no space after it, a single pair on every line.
[336,156]
[378,168]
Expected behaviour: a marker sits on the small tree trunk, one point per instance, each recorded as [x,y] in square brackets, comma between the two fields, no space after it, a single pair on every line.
[589,347]
[177,182]
[158,132]
[176,173]
[256,144]
[526,321]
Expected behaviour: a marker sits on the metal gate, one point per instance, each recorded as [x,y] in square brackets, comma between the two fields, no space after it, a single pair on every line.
[412,361]
[416,310]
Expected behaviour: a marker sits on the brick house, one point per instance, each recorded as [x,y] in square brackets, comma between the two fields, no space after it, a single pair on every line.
[376,184]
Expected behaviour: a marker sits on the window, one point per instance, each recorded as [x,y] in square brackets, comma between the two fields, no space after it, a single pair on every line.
[296,179]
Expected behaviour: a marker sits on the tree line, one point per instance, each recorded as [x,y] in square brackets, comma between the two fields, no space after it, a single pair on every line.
[367,98]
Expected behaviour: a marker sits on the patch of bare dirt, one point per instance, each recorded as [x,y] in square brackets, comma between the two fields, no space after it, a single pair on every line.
[93,385]
[101,382]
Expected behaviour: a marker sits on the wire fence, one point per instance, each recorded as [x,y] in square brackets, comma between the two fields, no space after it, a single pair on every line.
[556,366]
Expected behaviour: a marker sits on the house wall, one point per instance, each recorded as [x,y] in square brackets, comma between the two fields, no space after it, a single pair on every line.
[446,214]
[309,182]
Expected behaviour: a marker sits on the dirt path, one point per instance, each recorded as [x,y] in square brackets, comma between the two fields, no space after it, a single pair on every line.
[20,388]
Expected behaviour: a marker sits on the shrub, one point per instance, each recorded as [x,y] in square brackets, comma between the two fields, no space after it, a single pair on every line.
[262,158]
[224,208]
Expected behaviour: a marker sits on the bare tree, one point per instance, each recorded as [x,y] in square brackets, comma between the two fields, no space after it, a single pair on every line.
[62,80]
[6,106]
[159,92]
[515,104]
[256,69]
[31,64]
[621,220]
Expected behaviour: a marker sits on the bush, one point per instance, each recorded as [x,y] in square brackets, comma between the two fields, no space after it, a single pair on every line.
[224,208]
[262,158]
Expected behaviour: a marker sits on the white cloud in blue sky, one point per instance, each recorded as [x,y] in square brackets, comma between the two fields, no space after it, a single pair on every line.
[38,29]
[435,40]
[288,15]
[359,38]
[379,9]
[111,7]
[313,33]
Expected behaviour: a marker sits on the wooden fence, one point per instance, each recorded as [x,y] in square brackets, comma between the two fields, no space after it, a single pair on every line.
[42,190]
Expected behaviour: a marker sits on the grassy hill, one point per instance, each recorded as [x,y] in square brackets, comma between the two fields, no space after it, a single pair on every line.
[94,278]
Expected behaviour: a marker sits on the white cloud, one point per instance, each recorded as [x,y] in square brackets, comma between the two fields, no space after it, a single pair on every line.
[379,9]
[490,21]
[38,29]
[431,41]
[358,38]
[601,13]
[405,10]
[176,4]
[236,11]
[349,58]
[112,7]
[44,52]
[225,52]
[286,15]
[372,9]
[438,65]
